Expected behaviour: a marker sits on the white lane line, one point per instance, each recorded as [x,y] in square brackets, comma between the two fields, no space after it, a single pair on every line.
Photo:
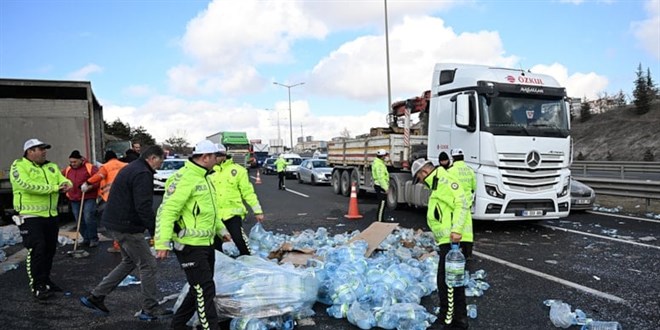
[551,278]
[297,193]
[601,236]
[624,216]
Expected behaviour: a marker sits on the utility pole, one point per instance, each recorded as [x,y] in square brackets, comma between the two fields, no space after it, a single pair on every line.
[290,117]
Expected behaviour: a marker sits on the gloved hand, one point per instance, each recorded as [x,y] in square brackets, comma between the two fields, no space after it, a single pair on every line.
[85,187]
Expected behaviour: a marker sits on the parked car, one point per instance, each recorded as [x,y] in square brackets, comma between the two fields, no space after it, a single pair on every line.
[269,166]
[582,196]
[169,166]
[314,171]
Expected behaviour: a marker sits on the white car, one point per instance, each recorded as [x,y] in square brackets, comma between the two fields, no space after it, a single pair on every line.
[293,162]
[170,165]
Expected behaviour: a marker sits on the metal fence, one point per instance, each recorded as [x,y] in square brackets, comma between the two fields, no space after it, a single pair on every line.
[618,181]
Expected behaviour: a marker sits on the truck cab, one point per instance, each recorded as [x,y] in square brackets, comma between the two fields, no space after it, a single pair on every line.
[514,128]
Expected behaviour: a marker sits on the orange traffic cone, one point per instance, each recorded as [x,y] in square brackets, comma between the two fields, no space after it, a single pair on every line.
[353,212]
[258,180]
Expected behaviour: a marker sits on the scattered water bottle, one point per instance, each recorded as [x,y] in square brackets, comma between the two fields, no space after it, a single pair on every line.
[455,267]
[560,313]
[9,267]
[128,280]
[472,311]
[602,325]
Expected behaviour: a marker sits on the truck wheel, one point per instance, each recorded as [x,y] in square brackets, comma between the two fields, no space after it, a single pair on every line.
[346,183]
[355,179]
[391,200]
[336,182]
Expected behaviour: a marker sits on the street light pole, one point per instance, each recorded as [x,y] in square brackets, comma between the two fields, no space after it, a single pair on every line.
[279,139]
[290,116]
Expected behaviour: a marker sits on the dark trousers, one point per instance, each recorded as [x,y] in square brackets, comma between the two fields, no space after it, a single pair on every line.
[198,263]
[280,182]
[234,226]
[453,311]
[40,239]
[381,195]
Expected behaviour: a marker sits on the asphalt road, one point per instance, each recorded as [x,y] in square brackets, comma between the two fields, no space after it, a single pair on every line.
[608,266]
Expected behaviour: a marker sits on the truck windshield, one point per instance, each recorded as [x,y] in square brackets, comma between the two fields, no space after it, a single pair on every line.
[510,114]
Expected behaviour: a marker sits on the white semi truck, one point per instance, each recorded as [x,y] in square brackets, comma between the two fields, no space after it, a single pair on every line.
[512,125]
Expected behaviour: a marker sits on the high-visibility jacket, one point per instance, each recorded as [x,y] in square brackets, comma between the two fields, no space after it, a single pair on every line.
[78,176]
[188,202]
[448,210]
[106,176]
[280,165]
[232,187]
[380,174]
[466,178]
[36,188]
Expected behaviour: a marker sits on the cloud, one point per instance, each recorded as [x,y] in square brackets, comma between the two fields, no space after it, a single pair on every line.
[139,91]
[647,32]
[83,73]
[358,70]
[577,84]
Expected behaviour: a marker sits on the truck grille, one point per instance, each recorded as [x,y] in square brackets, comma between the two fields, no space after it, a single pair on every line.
[523,173]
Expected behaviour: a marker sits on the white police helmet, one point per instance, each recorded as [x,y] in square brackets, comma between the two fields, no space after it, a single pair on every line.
[381,152]
[417,165]
[221,148]
[456,152]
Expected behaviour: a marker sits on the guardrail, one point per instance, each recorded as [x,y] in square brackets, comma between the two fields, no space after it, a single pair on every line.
[582,167]
[625,188]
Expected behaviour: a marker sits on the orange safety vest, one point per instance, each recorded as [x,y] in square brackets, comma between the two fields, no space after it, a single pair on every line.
[106,176]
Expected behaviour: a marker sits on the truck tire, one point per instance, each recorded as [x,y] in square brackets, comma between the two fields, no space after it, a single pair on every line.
[336,182]
[391,201]
[355,179]
[346,183]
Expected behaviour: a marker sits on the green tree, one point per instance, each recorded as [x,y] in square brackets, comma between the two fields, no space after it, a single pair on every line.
[652,88]
[642,92]
[620,98]
[119,129]
[178,144]
[141,135]
[585,110]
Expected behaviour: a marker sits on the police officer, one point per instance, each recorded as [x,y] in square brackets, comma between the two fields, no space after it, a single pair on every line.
[381,178]
[447,216]
[465,176]
[36,185]
[187,219]
[280,166]
[233,188]
[444,160]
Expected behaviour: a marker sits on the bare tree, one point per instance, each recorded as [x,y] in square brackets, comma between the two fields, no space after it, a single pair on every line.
[345,133]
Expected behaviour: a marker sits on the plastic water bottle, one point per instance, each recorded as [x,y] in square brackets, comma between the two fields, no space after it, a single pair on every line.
[455,267]
[472,311]
[602,325]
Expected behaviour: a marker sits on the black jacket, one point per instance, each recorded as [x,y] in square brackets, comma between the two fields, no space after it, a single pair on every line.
[130,204]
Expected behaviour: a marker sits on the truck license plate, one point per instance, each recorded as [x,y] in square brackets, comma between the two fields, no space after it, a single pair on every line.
[532,213]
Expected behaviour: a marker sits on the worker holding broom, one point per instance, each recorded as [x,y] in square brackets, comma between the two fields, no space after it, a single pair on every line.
[36,185]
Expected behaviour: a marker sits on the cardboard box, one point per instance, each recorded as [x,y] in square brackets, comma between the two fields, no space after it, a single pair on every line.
[375,234]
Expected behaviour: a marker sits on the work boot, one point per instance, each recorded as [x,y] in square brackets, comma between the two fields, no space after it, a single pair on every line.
[93,243]
[95,303]
[42,292]
[53,287]
[154,314]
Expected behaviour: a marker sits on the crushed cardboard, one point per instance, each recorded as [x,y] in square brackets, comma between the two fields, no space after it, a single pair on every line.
[375,234]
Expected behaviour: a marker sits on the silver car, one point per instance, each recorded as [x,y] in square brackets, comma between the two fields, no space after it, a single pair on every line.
[582,196]
[314,171]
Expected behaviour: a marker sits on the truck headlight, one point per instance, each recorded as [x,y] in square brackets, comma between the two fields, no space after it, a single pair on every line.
[493,191]
[563,192]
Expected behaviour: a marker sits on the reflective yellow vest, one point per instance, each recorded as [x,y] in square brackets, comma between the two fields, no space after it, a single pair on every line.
[379,173]
[189,201]
[232,187]
[36,188]
[448,208]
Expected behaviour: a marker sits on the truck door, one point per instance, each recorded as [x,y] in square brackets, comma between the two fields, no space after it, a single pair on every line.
[465,126]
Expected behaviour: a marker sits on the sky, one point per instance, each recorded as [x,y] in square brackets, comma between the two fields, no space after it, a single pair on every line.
[192,68]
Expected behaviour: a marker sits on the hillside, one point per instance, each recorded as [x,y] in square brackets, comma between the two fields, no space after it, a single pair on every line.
[620,131]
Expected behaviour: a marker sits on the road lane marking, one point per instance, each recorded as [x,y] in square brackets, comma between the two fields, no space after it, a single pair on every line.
[601,236]
[624,216]
[551,278]
[297,193]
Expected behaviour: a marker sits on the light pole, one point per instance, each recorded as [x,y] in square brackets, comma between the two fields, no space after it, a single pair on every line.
[279,139]
[290,120]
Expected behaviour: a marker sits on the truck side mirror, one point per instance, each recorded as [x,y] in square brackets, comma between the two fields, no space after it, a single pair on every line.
[462,107]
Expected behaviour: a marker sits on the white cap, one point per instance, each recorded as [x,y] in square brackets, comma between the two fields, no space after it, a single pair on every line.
[381,152]
[221,148]
[456,152]
[31,143]
[417,165]
[205,147]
